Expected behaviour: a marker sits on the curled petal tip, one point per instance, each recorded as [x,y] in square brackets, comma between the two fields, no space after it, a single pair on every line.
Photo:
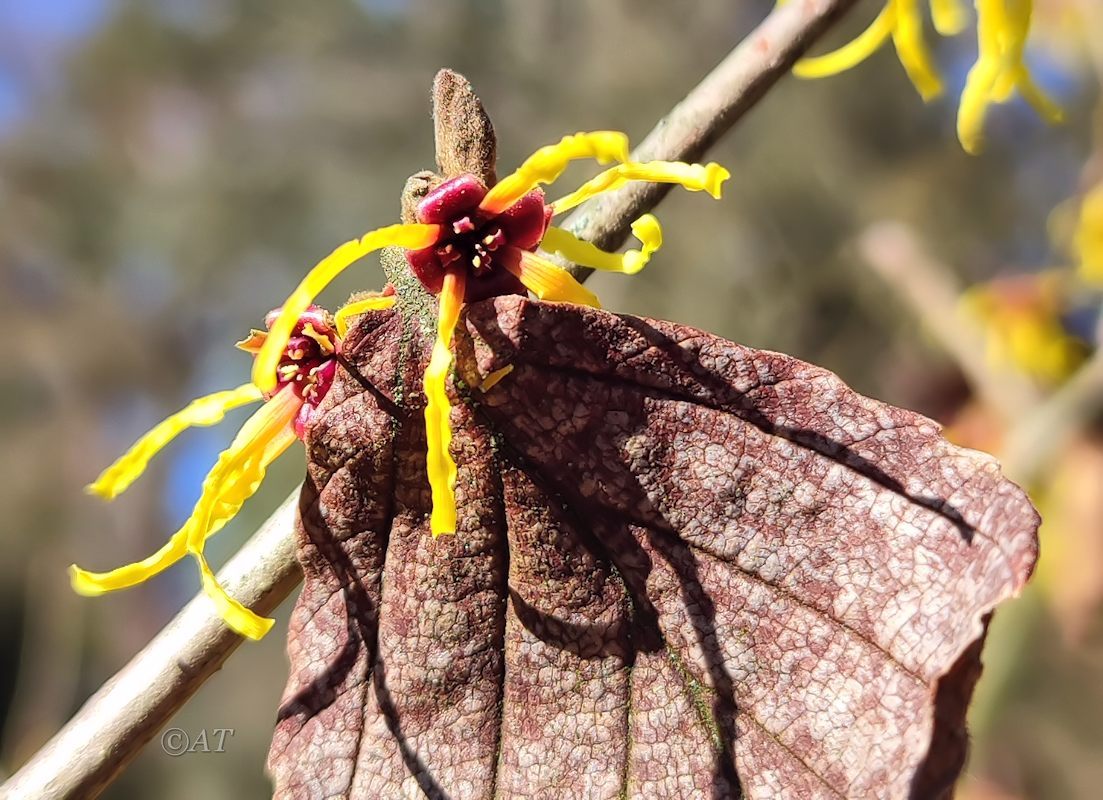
[715,175]
[84,582]
[100,490]
[239,618]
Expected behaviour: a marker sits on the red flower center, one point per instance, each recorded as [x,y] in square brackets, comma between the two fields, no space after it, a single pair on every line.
[308,364]
[478,241]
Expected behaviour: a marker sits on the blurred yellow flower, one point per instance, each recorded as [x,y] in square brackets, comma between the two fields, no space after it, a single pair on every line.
[1002,28]
[1021,317]
[1088,241]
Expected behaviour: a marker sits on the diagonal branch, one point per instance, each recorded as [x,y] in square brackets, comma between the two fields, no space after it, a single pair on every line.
[111,728]
[710,109]
[127,711]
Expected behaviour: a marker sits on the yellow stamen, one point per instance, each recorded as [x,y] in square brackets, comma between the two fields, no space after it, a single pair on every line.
[548,163]
[323,341]
[854,52]
[357,307]
[438,428]
[695,177]
[410,237]
[549,281]
[233,479]
[198,413]
[566,244]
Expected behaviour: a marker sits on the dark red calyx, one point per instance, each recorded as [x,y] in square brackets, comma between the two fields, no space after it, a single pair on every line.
[476,240]
[309,362]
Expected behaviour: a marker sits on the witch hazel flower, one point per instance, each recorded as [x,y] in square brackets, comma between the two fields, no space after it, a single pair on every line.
[471,241]
[305,368]
[1000,71]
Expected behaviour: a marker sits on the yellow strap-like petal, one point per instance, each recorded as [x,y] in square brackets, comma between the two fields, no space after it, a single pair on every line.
[357,307]
[549,281]
[548,163]
[233,479]
[1046,108]
[241,467]
[949,16]
[410,237]
[1002,29]
[973,107]
[566,244]
[854,52]
[232,612]
[201,412]
[912,50]
[92,584]
[695,177]
[900,20]
[439,464]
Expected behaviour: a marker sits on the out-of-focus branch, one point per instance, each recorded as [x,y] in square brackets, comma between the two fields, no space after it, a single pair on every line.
[1033,442]
[931,291]
[1038,427]
[128,710]
[706,113]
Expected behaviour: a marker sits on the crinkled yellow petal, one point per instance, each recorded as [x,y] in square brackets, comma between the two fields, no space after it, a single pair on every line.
[549,281]
[357,307]
[566,244]
[949,16]
[201,412]
[233,479]
[410,237]
[439,464]
[912,50]
[548,163]
[241,467]
[695,177]
[854,52]
[233,613]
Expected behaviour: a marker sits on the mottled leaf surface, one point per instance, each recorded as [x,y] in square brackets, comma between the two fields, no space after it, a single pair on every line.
[684,569]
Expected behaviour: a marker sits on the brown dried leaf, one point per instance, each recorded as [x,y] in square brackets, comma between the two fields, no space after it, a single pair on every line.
[682,566]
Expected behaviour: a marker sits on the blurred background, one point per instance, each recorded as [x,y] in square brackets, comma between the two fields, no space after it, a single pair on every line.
[169,169]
